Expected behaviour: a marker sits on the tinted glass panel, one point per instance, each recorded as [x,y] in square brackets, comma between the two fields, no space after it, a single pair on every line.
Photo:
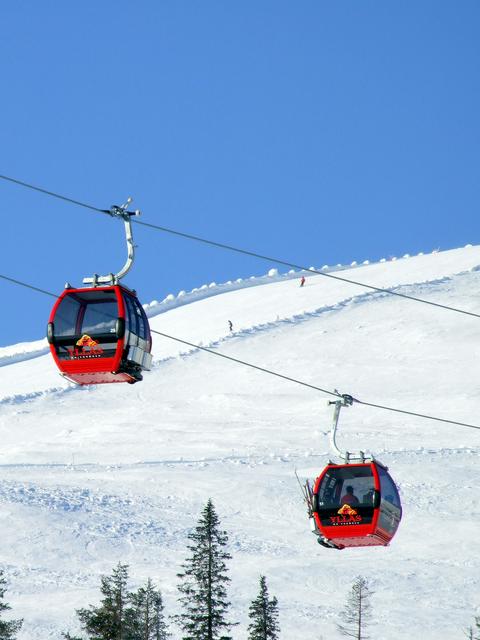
[359,480]
[388,489]
[137,317]
[65,320]
[142,330]
[100,317]
[86,312]
[390,508]
[132,316]
[84,325]
[339,506]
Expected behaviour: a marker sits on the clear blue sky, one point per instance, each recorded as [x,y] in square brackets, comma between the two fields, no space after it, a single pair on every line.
[318,132]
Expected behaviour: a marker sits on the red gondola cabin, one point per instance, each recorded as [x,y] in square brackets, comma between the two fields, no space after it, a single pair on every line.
[355,505]
[100,335]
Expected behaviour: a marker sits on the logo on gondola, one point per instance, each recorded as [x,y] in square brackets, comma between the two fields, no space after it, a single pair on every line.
[86,347]
[346,515]
[347,510]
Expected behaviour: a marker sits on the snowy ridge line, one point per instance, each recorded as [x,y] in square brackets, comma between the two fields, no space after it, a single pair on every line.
[425,451]
[21,398]
[301,317]
[93,466]
[24,355]
[155,307]
[247,459]
[241,333]
[29,350]
[80,467]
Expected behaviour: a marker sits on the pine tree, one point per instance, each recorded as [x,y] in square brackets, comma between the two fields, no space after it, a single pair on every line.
[477,625]
[203,581]
[112,620]
[355,617]
[469,633]
[148,618]
[264,615]
[8,629]
[160,625]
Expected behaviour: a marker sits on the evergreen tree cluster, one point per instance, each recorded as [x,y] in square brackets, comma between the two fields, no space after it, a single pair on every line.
[139,615]
[473,633]
[124,614]
[8,629]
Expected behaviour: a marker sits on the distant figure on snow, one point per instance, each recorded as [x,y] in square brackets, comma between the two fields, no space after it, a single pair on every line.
[302,281]
[230,325]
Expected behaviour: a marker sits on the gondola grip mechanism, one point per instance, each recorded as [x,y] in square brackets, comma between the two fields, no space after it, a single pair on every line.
[119,212]
[344,400]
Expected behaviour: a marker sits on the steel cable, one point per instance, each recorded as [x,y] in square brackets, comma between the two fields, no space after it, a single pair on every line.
[270,372]
[246,252]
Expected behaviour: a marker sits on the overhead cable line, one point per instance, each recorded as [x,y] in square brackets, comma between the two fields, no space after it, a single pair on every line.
[303,268]
[275,373]
[28,286]
[312,386]
[53,194]
[246,252]
[248,364]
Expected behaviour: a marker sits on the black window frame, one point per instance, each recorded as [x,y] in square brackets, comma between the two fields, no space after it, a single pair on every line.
[388,489]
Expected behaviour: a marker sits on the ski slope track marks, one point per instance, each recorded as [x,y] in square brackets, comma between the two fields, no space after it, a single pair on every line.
[424,287]
[120,473]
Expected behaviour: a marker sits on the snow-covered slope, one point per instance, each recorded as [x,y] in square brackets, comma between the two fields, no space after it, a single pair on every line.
[92,476]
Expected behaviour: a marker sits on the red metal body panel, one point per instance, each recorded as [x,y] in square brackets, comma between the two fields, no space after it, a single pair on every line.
[101,377]
[88,369]
[344,535]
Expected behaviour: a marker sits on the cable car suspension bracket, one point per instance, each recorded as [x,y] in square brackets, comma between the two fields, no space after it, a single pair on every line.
[118,212]
[344,400]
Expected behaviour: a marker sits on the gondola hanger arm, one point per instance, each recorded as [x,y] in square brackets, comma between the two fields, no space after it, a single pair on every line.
[119,212]
[343,400]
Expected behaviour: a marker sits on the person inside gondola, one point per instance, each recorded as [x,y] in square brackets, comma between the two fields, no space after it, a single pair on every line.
[349,498]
